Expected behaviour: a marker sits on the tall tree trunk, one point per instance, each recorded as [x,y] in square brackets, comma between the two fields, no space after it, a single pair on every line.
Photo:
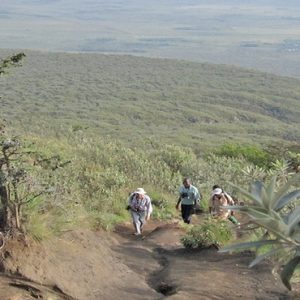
[5,209]
[18,221]
[8,217]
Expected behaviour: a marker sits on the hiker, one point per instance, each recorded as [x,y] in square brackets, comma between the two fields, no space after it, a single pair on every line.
[227,196]
[219,199]
[189,196]
[140,207]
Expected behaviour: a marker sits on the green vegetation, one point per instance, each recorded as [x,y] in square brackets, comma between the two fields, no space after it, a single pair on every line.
[100,126]
[270,209]
[90,179]
[130,99]
[211,233]
[11,61]
[252,154]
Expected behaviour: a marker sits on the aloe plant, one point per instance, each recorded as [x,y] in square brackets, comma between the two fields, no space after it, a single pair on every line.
[267,211]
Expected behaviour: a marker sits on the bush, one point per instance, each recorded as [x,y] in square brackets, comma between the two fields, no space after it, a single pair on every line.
[252,154]
[212,233]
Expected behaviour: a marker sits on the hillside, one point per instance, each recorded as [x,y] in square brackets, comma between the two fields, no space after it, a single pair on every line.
[132,98]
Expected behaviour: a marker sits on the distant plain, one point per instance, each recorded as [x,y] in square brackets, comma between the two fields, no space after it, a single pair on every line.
[258,34]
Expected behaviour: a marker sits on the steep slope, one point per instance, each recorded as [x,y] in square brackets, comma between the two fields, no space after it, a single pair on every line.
[131,98]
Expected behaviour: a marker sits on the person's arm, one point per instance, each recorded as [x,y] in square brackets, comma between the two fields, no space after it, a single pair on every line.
[230,202]
[130,202]
[179,199]
[229,199]
[149,209]
[197,196]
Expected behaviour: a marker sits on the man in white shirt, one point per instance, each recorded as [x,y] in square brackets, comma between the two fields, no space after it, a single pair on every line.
[188,196]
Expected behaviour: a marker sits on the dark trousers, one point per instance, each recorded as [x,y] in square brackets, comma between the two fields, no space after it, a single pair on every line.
[186,212]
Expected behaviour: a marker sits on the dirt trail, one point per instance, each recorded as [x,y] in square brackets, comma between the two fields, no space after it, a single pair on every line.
[89,265]
[199,274]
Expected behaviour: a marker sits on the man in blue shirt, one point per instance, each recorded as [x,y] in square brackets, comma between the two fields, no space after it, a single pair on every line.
[188,196]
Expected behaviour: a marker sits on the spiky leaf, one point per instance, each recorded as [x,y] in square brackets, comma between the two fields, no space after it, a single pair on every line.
[250,196]
[294,219]
[284,190]
[289,270]
[270,190]
[261,257]
[286,199]
[256,244]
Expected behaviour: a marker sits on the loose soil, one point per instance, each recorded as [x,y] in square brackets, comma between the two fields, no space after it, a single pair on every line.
[87,265]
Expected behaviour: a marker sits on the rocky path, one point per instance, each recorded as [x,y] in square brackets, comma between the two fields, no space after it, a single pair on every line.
[196,274]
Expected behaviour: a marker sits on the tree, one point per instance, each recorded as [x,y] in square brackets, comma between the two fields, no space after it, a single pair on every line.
[17,185]
[12,61]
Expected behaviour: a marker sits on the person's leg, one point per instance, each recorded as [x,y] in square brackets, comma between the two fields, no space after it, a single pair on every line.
[190,209]
[186,211]
[142,217]
[136,222]
[182,211]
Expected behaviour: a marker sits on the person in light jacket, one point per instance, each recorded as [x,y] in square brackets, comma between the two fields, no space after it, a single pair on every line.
[140,208]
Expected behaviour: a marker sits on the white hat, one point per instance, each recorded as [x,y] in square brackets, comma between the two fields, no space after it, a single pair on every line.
[217,191]
[139,191]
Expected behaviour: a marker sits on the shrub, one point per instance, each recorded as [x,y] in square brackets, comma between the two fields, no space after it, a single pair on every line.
[212,233]
[252,154]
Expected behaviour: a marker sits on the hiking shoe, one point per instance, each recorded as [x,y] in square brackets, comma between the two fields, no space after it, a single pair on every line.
[137,233]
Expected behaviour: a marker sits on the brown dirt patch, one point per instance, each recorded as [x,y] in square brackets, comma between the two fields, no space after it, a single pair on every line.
[89,265]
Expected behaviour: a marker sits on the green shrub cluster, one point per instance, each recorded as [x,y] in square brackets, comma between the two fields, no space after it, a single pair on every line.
[211,233]
[251,153]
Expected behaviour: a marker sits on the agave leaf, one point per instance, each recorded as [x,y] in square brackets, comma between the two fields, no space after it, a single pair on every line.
[255,244]
[288,271]
[275,215]
[278,227]
[281,202]
[245,209]
[294,219]
[256,189]
[270,190]
[261,213]
[282,191]
[261,257]
[265,199]
[236,207]
[250,196]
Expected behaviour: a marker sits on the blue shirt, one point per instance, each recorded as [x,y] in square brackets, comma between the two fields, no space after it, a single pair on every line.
[189,196]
